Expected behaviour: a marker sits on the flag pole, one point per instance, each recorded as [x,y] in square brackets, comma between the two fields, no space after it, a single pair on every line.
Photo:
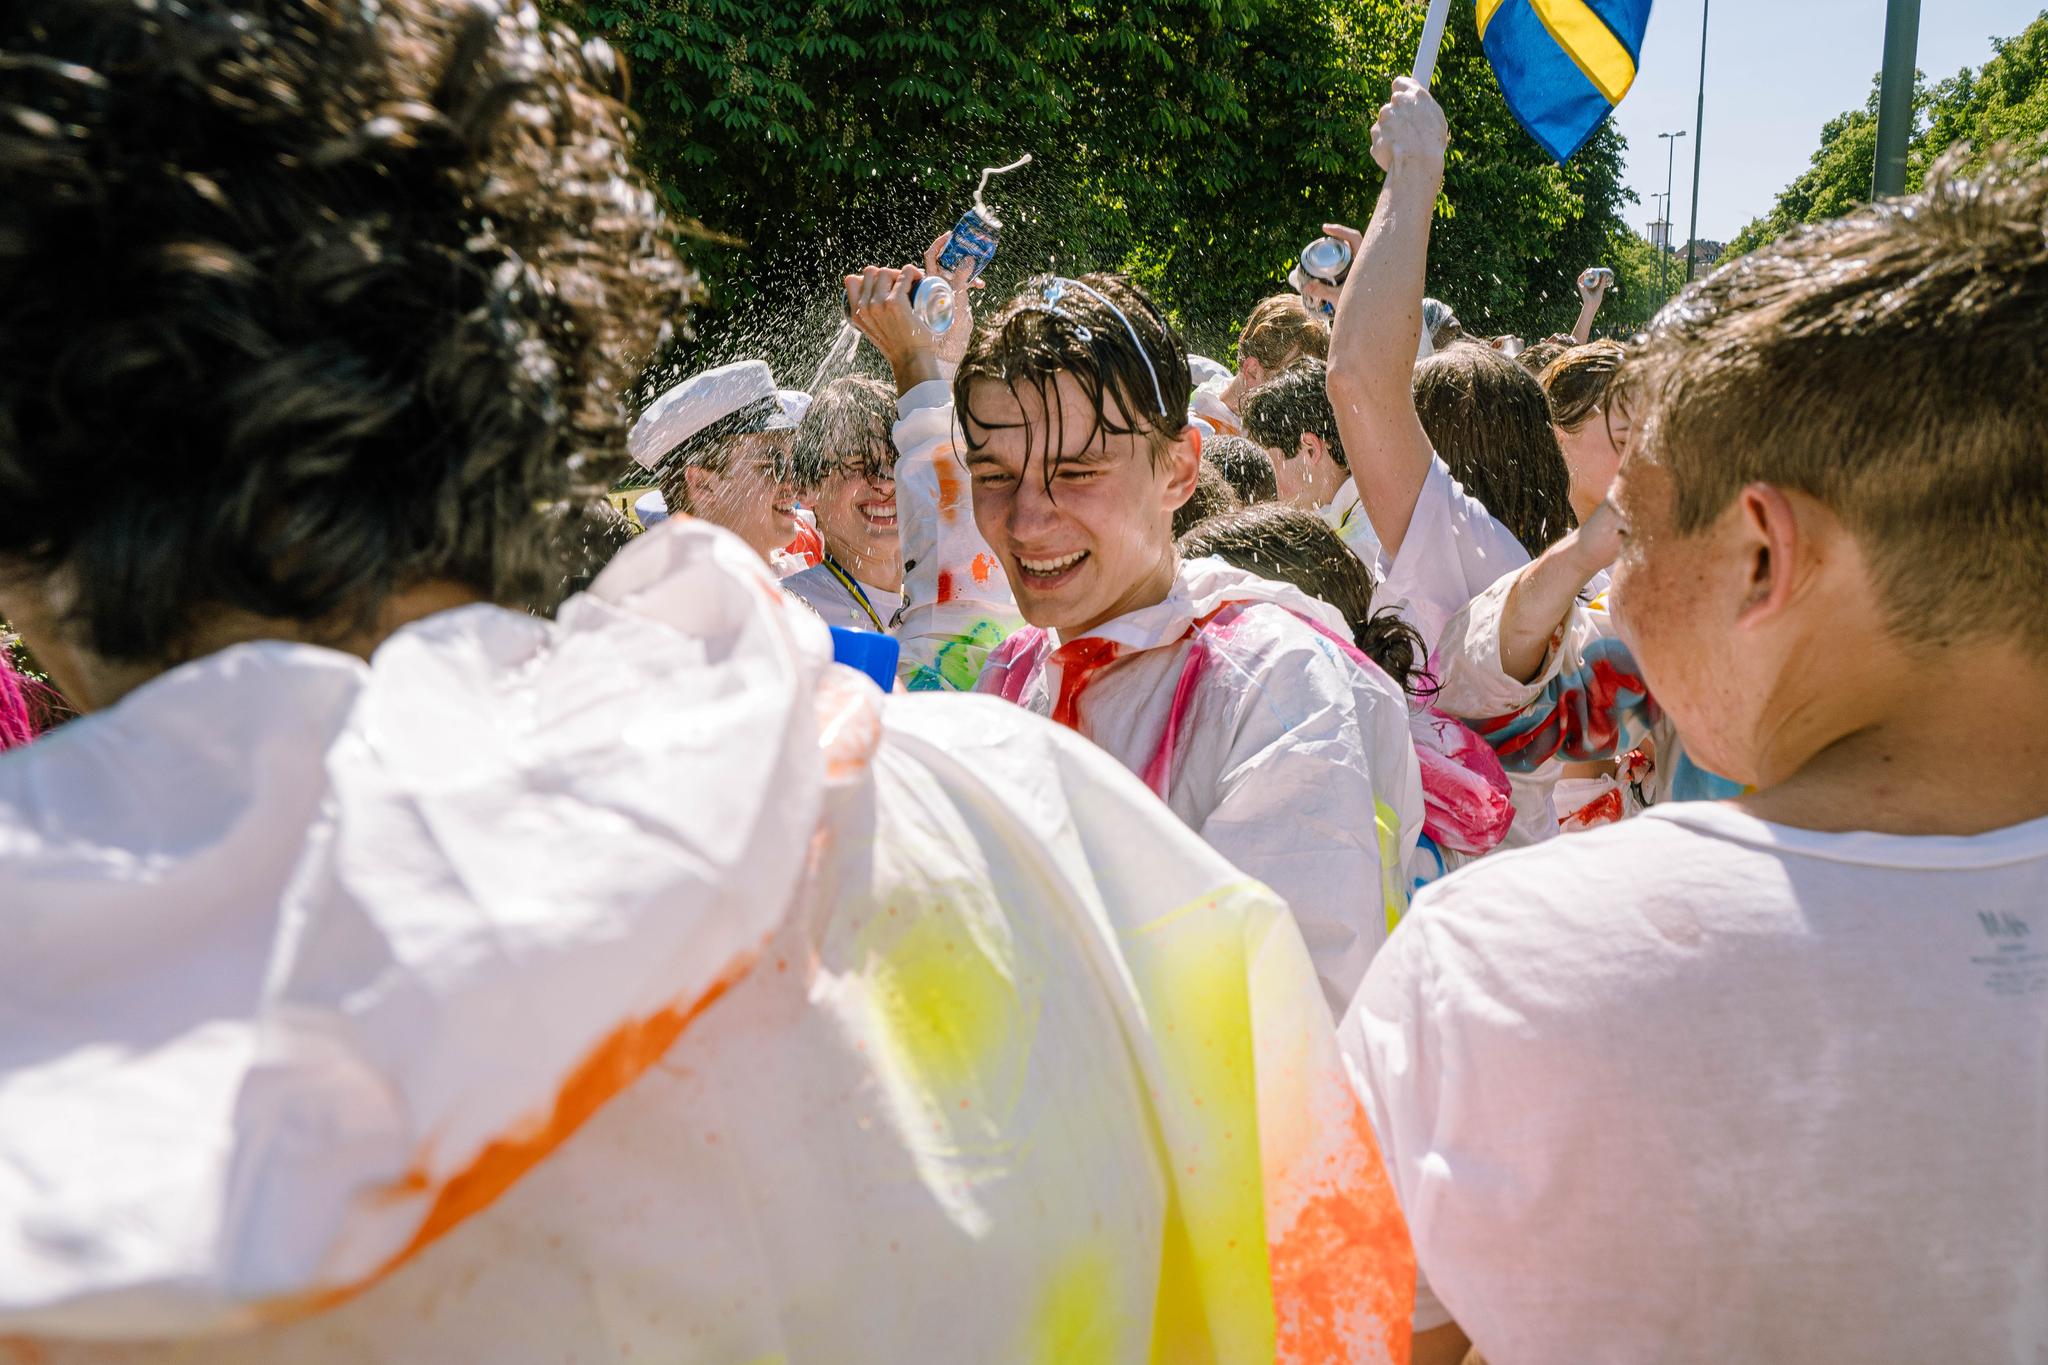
[1432,41]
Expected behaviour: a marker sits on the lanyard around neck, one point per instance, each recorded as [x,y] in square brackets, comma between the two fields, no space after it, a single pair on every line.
[846,581]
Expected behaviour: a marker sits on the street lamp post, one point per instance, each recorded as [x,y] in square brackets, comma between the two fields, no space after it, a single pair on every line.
[1895,98]
[1670,141]
[1698,136]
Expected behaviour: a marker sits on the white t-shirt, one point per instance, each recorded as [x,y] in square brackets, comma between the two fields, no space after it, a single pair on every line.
[820,589]
[1696,1087]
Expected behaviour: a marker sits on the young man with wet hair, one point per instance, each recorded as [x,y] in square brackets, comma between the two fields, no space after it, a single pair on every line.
[1767,1078]
[1244,466]
[844,468]
[1279,332]
[394,974]
[1291,421]
[1239,700]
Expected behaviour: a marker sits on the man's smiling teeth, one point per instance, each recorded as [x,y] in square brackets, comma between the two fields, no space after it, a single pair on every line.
[1051,566]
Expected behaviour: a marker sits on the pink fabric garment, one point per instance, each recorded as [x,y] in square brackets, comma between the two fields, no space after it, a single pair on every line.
[17,715]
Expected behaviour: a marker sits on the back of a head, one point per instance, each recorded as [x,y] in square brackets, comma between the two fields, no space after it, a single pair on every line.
[308,303]
[1892,365]
[1280,331]
[1577,381]
[1536,357]
[1244,466]
[1292,545]
[1441,323]
[1276,414]
[1212,498]
[1490,423]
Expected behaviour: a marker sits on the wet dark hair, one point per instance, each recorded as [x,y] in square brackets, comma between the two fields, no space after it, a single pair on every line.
[1244,465]
[1280,541]
[1576,383]
[306,303]
[1490,423]
[1536,356]
[1298,400]
[589,534]
[1030,343]
[1212,498]
[850,427]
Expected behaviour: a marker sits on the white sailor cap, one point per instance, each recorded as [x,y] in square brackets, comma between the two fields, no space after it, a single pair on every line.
[731,400]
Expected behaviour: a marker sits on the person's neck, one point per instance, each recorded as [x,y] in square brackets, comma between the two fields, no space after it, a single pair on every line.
[1150,590]
[1233,392]
[883,571]
[1328,484]
[90,682]
[1937,742]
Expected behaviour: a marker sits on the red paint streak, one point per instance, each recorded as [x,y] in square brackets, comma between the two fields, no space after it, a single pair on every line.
[1344,1272]
[984,565]
[946,593]
[1079,660]
[615,1063]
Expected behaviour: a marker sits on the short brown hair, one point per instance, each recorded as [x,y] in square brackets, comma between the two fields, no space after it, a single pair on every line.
[1893,365]
[1577,382]
[1277,413]
[1281,331]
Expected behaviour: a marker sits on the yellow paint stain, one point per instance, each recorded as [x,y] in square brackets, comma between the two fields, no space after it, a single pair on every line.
[946,1005]
[1078,1319]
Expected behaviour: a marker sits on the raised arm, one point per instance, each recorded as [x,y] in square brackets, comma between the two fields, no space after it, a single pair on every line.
[1589,305]
[1379,316]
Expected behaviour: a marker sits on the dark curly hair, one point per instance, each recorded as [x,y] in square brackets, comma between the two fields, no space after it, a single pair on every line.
[304,302]
[1281,541]
[1055,325]
[849,428]
[1278,412]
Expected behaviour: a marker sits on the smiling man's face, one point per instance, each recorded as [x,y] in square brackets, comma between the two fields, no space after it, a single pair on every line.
[1094,542]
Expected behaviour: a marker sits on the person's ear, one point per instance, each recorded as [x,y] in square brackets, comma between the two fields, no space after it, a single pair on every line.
[701,484]
[1312,448]
[1251,371]
[1770,540]
[1183,465]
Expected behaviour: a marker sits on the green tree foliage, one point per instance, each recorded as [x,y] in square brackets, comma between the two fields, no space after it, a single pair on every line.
[2004,102]
[1195,143]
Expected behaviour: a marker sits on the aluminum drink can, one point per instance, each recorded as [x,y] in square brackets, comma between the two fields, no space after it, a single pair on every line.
[974,239]
[1326,259]
[931,300]
[1593,278]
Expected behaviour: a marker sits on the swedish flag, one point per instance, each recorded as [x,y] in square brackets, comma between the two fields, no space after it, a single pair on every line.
[1563,64]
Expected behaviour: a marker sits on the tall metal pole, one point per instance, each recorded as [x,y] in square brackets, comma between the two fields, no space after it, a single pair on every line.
[1699,132]
[1895,97]
[1670,176]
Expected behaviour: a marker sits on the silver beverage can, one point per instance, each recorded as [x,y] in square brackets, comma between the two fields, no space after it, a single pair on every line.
[931,301]
[1326,259]
[1595,277]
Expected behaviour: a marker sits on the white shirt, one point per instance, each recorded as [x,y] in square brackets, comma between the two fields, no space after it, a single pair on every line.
[1288,757]
[1699,1088]
[641,985]
[820,589]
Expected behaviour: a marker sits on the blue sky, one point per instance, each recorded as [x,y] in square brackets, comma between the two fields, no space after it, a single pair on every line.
[1776,71]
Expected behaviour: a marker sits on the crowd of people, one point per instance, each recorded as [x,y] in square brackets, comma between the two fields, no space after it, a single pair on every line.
[1413,847]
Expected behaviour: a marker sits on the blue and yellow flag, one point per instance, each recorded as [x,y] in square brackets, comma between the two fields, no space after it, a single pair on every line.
[1563,64]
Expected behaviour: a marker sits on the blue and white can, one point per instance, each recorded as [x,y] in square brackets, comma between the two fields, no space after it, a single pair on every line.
[973,239]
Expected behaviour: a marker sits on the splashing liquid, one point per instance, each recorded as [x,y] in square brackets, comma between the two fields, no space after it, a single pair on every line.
[980,204]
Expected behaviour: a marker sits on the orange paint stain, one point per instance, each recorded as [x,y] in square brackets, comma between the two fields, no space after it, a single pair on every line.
[1345,1268]
[613,1064]
[983,566]
[950,488]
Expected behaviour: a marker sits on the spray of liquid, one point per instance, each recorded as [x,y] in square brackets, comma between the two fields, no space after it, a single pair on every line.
[981,205]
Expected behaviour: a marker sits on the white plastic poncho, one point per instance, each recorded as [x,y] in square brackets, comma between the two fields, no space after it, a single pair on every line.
[1288,752]
[641,985]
